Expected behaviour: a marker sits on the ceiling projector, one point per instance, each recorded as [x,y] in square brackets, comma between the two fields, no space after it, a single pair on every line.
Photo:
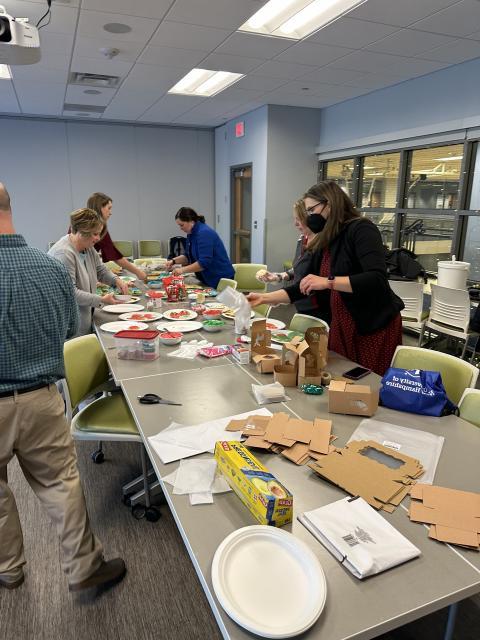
[19,41]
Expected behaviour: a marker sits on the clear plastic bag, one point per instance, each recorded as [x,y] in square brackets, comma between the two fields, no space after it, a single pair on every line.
[238,302]
[267,393]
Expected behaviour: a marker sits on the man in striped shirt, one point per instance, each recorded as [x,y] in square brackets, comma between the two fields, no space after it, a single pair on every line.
[38,312]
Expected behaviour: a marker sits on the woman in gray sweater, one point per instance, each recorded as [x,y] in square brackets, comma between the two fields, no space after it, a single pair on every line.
[76,252]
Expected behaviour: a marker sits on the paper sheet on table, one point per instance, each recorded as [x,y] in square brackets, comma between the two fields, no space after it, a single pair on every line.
[421,445]
[220,485]
[175,443]
[358,536]
[195,476]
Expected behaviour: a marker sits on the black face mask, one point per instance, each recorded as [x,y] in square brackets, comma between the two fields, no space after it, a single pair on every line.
[316,222]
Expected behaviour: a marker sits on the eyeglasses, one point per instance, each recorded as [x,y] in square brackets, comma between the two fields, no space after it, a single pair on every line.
[310,210]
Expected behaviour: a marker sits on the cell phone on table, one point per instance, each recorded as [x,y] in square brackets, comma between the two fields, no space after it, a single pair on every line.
[356,373]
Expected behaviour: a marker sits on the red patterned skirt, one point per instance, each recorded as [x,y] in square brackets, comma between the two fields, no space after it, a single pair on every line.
[375,350]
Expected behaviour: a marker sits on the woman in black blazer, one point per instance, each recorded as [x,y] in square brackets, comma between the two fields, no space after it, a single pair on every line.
[347,273]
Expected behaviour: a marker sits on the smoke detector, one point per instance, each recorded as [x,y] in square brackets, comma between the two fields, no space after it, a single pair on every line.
[109,52]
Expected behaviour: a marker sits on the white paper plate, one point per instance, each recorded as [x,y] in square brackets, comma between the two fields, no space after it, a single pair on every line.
[180,326]
[215,305]
[170,314]
[128,316]
[113,327]
[123,308]
[272,325]
[230,314]
[269,581]
[129,300]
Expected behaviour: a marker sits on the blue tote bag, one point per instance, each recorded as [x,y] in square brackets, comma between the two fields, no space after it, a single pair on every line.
[415,391]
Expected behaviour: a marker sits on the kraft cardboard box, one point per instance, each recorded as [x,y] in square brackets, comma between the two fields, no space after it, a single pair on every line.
[312,358]
[266,498]
[352,399]
[265,362]
[286,372]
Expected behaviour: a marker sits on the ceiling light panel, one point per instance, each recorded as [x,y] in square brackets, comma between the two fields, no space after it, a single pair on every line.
[204,82]
[297,19]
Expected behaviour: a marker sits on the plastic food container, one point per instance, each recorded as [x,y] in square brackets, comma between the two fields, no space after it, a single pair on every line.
[171,337]
[212,313]
[155,284]
[213,325]
[453,274]
[137,345]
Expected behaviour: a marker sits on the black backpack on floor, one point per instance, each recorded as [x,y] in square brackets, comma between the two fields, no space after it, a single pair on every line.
[403,265]
[176,247]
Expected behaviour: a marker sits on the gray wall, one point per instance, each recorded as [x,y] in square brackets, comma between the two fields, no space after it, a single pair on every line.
[291,169]
[446,100]
[51,167]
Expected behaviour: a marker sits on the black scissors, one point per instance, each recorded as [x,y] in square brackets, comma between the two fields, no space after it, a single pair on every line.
[152,398]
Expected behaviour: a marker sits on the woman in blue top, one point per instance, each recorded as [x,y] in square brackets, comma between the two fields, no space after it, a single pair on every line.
[205,253]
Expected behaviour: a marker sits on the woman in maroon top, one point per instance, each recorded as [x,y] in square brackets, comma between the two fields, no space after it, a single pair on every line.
[347,271]
[102,204]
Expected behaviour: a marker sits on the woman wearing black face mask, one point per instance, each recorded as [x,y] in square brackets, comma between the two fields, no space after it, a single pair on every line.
[347,269]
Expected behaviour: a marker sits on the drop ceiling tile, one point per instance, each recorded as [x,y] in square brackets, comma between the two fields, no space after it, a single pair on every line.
[398,13]
[59,44]
[149,77]
[243,110]
[413,67]
[63,18]
[8,99]
[331,75]
[113,67]
[172,57]
[313,53]
[128,106]
[409,42]
[376,80]
[90,48]
[351,33]
[460,19]
[287,70]
[318,89]
[294,100]
[455,52]
[259,83]
[366,61]
[234,64]
[191,36]
[91,25]
[40,98]
[239,44]
[170,107]
[226,14]
[40,73]
[143,8]
[79,95]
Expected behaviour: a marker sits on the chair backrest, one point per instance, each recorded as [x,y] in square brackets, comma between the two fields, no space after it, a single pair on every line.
[469,406]
[148,248]
[86,367]
[301,322]
[457,374]
[263,310]
[412,295]
[450,307]
[125,247]
[223,283]
[245,277]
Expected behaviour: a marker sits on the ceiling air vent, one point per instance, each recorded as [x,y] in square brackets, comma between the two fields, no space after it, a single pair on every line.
[94,80]
[84,108]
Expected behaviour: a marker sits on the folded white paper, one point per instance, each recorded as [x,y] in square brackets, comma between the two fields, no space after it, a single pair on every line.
[194,476]
[421,445]
[358,536]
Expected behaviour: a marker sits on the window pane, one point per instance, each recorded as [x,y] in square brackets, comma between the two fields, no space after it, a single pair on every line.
[472,247]
[341,172]
[385,223]
[434,178]
[430,237]
[380,178]
[475,191]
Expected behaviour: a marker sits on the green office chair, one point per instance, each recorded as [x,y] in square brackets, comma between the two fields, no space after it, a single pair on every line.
[301,322]
[245,277]
[469,406]
[107,418]
[125,247]
[287,265]
[223,283]
[457,374]
[263,310]
[149,249]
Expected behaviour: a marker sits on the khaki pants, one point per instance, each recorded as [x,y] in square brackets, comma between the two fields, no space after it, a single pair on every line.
[33,427]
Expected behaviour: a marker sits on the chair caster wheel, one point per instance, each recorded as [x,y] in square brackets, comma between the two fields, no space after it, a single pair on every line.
[138,511]
[127,499]
[98,457]
[152,514]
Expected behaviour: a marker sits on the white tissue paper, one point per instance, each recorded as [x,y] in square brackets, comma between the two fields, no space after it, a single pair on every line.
[267,393]
[359,537]
[194,476]
[219,485]
[238,302]
[189,350]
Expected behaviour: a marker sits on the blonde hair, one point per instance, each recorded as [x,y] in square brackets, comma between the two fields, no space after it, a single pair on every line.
[86,222]
[300,212]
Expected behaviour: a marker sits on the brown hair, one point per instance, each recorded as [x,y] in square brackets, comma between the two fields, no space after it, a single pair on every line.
[4,198]
[96,201]
[300,212]
[186,214]
[86,221]
[342,211]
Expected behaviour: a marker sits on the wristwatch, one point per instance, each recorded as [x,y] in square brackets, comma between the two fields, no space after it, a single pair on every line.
[330,281]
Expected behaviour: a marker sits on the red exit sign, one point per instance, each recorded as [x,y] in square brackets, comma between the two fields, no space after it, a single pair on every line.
[239,129]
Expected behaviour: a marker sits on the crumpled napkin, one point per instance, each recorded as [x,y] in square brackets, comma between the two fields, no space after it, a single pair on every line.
[188,350]
[191,477]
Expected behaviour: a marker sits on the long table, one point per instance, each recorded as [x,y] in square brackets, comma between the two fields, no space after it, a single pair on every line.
[209,389]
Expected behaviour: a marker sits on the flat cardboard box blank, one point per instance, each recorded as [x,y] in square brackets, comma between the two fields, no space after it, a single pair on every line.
[321,435]
[351,399]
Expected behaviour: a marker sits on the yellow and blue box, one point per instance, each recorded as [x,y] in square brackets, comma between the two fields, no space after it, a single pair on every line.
[266,498]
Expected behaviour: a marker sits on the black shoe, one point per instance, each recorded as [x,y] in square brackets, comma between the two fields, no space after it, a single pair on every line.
[12,584]
[108,573]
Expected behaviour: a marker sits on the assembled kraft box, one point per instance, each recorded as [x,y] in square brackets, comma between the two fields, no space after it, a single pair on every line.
[266,498]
